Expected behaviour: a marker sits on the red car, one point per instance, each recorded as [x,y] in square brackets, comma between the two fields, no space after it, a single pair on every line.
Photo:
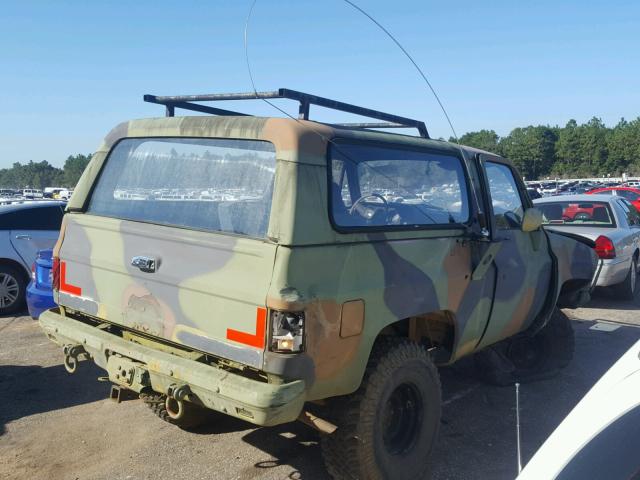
[578,211]
[630,193]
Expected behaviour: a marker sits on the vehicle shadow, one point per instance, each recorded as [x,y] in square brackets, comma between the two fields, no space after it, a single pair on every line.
[293,444]
[478,429]
[605,298]
[31,389]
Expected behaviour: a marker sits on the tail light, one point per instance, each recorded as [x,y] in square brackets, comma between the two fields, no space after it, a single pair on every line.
[287,331]
[56,273]
[33,271]
[604,247]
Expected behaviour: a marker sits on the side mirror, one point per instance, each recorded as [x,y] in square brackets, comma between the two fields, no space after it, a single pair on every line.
[532,220]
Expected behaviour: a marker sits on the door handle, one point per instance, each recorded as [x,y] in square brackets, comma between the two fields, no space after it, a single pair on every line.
[145,264]
[23,237]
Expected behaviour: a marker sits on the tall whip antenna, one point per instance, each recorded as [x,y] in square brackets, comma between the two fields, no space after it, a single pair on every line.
[518,427]
[375,22]
[424,77]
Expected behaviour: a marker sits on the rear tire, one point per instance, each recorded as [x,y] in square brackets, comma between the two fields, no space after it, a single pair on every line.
[387,428]
[13,289]
[527,359]
[627,289]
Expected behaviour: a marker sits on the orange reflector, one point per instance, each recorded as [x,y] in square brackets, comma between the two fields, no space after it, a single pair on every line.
[253,340]
[67,287]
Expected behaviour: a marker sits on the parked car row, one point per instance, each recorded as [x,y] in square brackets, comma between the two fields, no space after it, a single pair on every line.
[611,222]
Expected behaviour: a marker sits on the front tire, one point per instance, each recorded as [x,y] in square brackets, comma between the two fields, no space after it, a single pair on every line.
[529,358]
[387,428]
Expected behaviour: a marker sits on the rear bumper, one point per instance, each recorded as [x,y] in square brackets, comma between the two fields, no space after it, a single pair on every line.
[136,367]
[38,300]
[613,272]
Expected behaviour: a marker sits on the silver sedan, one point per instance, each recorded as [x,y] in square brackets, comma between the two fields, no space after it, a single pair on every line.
[612,223]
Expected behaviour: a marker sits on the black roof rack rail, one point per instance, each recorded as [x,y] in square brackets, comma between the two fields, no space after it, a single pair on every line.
[305,100]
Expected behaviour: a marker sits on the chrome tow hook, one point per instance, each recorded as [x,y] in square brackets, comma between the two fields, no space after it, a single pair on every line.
[71,355]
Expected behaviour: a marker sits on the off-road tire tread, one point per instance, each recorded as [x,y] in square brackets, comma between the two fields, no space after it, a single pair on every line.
[156,402]
[342,456]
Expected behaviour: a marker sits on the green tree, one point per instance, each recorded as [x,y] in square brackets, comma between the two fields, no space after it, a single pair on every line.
[593,148]
[567,150]
[484,140]
[32,174]
[623,144]
[531,149]
[73,168]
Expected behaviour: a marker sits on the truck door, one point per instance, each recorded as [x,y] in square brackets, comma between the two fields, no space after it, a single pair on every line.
[522,261]
[34,229]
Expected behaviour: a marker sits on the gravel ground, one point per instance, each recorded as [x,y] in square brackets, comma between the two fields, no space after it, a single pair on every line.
[56,426]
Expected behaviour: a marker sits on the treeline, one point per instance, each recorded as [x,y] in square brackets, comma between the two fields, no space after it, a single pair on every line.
[43,174]
[588,150]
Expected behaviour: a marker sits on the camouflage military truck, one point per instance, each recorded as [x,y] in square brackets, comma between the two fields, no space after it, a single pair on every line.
[276,269]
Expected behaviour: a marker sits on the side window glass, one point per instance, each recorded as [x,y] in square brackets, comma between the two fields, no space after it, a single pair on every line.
[505,198]
[631,214]
[629,195]
[378,186]
[605,192]
[51,218]
[23,219]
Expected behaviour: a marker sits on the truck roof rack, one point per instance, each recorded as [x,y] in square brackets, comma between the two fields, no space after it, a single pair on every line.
[305,100]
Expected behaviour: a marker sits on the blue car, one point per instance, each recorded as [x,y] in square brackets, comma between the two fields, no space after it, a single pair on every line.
[39,291]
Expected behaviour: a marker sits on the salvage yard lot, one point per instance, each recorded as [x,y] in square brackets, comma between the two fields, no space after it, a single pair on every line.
[56,426]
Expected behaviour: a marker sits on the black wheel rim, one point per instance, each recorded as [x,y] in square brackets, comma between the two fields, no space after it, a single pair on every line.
[402,419]
[9,290]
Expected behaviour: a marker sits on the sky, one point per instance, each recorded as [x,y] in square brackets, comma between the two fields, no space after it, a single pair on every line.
[71,70]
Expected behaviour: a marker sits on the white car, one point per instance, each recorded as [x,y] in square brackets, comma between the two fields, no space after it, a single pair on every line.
[24,229]
[32,193]
[612,223]
[599,438]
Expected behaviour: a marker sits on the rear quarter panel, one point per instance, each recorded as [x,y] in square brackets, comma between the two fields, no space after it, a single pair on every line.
[576,260]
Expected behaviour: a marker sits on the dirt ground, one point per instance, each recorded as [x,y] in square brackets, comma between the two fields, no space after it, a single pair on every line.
[59,426]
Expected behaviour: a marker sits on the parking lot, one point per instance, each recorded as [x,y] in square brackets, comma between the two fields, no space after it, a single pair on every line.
[57,426]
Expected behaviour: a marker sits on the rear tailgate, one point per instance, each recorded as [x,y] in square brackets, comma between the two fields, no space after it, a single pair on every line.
[207,291]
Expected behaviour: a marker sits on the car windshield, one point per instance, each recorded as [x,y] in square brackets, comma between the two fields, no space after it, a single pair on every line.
[594,214]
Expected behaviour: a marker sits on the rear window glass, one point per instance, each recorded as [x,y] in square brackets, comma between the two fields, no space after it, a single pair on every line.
[205,184]
[374,186]
[580,214]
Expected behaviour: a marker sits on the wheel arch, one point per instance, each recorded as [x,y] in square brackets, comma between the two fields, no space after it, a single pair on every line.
[435,330]
[17,265]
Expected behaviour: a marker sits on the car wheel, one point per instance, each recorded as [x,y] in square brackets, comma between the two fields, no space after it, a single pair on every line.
[526,358]
[627,289]
[13,285]
[387,428]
